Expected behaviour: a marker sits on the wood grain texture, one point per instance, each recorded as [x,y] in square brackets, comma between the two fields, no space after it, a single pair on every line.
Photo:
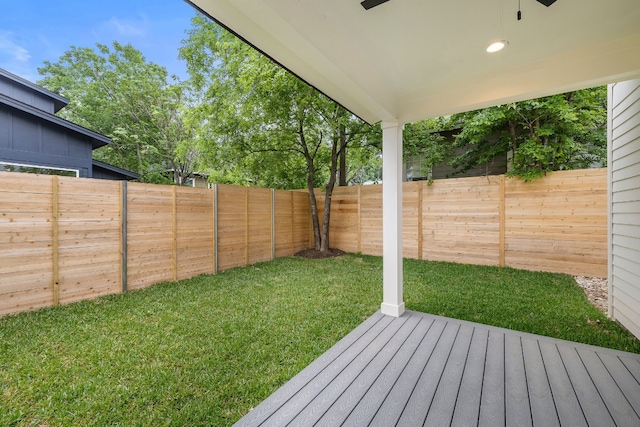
[283,223]
[89,239]
[556,224]
[76,243]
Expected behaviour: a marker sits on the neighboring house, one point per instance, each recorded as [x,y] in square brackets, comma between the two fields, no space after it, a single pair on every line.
[198,180]
[417,169]
[34,139]
[194,179]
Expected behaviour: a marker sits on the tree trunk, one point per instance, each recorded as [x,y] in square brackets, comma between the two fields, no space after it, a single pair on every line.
[311,172]
[343,157]
[514,138]
[324,247]
[314,208]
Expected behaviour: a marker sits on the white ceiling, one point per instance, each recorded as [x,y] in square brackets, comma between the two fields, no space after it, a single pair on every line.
[408,60]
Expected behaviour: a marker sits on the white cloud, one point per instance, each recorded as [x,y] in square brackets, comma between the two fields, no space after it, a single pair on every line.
[15,58]
[10,51]
[128,27]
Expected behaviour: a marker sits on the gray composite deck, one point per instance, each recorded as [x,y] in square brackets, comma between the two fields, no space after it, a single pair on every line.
[421,369]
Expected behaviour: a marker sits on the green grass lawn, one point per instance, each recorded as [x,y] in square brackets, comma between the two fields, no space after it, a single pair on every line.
[204,351]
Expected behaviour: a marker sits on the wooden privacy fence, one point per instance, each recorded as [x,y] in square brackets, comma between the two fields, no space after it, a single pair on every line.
[557,224]
[68,239]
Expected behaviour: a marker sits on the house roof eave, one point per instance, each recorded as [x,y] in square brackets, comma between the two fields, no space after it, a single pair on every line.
[59,101]
[97,140]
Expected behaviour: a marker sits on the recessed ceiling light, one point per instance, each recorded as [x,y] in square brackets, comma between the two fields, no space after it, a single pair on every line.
[497,46]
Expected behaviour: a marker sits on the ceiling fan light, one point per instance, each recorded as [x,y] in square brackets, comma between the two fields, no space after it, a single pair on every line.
[497,46]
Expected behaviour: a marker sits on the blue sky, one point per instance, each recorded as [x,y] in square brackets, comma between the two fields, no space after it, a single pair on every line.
[32,31]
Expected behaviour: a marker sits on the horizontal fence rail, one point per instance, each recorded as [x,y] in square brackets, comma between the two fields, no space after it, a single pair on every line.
[67,239]
[556,224]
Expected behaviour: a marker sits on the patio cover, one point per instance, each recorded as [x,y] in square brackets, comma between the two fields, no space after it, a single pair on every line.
[408,60]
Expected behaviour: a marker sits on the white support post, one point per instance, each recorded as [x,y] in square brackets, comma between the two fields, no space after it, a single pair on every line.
[392,301]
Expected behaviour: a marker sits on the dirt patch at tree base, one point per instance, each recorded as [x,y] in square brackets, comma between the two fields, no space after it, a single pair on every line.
[316,254]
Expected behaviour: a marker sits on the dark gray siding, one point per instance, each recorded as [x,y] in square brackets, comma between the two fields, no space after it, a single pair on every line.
[28,140]
[31,134]
[107,174]
[5,129]
[31,94]
[106,171]
[497,166]
[414,170]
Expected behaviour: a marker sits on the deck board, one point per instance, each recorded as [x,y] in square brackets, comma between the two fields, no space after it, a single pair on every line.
[421,369]
[415,411]
[368,406]
[492,411]
[592,404]
[444,401]
[468,402]
[564,396]
[543,411]
[392,407]
[343,406]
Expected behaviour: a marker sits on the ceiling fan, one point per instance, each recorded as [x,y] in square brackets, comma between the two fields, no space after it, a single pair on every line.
[368,4]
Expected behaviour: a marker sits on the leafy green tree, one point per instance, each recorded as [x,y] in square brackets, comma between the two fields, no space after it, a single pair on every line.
[566,131]
[423,140]
[263,125]
[116,92]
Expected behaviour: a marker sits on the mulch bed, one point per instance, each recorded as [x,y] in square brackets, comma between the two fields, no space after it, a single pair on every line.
[315,254]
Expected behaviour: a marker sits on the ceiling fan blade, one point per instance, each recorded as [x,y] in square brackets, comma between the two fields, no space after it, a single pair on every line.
[547,2]
[368,4]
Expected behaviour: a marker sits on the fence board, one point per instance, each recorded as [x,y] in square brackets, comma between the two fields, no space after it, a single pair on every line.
[284,223]
[26,238]
[259,225]
[194,255]
[371,220]
[302,233]
[149,253]
[90,257]
[411,220]
[558,223]
[343,231]
[555,224]
[231,226]
[461,220]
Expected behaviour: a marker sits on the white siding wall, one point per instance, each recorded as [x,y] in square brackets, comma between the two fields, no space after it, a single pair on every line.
[624,204]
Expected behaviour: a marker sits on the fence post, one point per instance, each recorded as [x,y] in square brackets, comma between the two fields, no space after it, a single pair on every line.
[501,261]
[293,241]
[55,241]
[273,223]
[420,196]
[174,227]
[215,228]
[246,225]
[123,241]
[359,248]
